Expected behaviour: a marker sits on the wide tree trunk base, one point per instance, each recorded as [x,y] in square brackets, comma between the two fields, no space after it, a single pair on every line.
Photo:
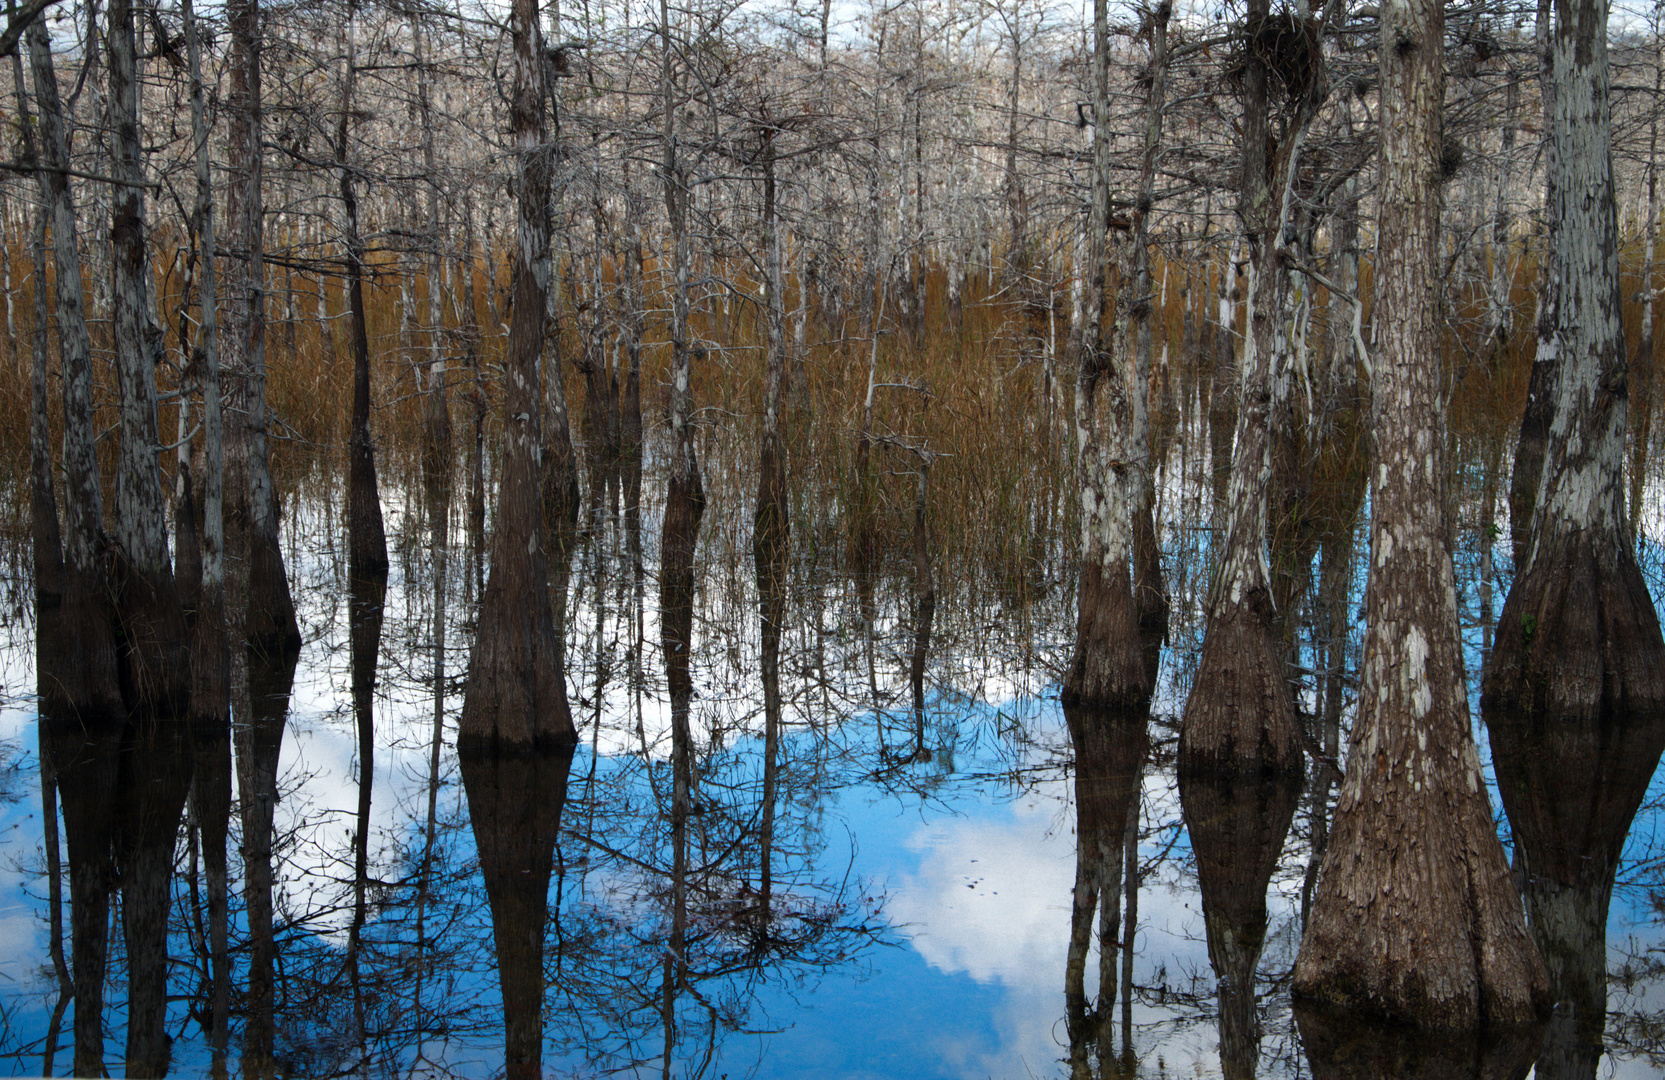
[1239,718]
[1108,668]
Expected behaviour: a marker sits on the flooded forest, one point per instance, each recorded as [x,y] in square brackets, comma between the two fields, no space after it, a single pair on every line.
[945,539]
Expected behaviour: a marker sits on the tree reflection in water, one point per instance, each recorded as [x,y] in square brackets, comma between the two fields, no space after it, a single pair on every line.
[437,915]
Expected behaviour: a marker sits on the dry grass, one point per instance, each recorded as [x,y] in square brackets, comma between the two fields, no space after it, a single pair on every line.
[972,394]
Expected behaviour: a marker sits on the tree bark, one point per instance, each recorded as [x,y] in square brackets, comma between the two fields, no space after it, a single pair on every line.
[516,736]
[156,755]
[268,617]
[1574,697]
[1526,478]
[366,538]
[210,647]
[1107,667]
[82,713]
[1414,916]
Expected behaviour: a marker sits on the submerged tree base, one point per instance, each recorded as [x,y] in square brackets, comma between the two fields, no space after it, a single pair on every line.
[1107,669]
[1342,1046]
[1239,718]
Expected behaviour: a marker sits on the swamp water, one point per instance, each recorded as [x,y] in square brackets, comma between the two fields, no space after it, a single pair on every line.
[919,911]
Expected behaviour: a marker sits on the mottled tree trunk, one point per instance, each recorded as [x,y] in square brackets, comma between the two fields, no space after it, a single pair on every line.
[1525,480]
[210,648]
[516,736]
[1150,596]
[156,757]
[1222,403]
[269,612]
[1107,667]
[1574,696]
[82,712]
[1414,916]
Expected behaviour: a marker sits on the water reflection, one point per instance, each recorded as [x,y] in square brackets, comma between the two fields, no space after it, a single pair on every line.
[1346,1048]
[1237,821]
[1110,746]
[960,858]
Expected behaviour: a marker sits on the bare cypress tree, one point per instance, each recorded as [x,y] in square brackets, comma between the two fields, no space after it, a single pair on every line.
[210,649]
[771,524]
[268,619]
[366,539]
[1574,696]
[516,738]
[1150,597]
[1526,479]
[156,765]
[46,541]
[1107,667]
[83,713]
[684,506]
[1414,915]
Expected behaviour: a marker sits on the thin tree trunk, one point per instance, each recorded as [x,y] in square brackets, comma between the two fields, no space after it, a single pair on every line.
[210,648]
[771,524]
[82,712]
[269,624]
[1534,425]
[1107,667]
[366,538]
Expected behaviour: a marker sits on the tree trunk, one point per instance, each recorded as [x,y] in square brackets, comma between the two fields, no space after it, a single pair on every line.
[630,399]
[1107,668]
[82,712]
[366,539]
[1525,481]
[516,737]
[1150,596]
[771,524]
[156,765]
[1574,697]
[269,620]
[1435,940]
[210,648]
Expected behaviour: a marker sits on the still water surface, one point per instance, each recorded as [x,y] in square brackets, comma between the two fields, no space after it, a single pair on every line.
[924,865]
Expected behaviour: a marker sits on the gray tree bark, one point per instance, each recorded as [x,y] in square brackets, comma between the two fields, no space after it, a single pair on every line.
[1414,916]
[1574,697]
